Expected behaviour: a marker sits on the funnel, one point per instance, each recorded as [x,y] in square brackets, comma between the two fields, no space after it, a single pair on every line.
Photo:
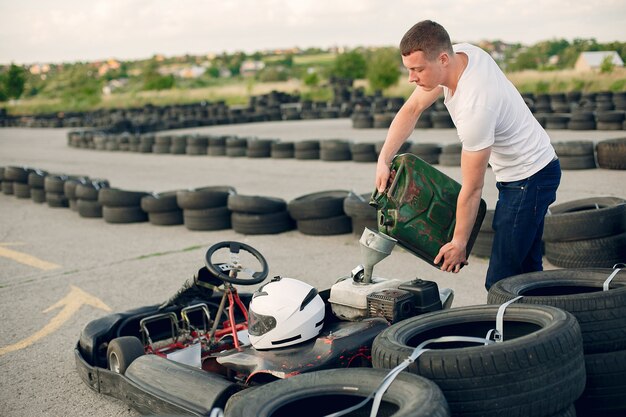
[375,247]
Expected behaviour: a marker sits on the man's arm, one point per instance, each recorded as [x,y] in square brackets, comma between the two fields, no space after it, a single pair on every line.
[401,128]
[473,167]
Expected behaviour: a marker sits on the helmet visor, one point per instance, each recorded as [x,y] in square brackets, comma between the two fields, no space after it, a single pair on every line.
[259,324]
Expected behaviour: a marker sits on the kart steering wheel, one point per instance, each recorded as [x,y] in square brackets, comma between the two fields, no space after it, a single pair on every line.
[229,271]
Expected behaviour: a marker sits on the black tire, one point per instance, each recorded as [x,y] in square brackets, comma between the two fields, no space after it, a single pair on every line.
[612,153]
[69,189]
[122,351]
[255,204]
[606,384]
[355,205]
[54,183]
[56,199]
[7,187]
[451,160]
[307,154]
[89,208]
[21,190]
[581,125]
[126,214]
[38,195]
[609,126]
[577,162]
[483,244]
[601,314]
[160,202]
[215,218]
[16,174]
[334,390]
[336,225]
[318,205]
[586,218]
[36,179]
[261,224]
[602,252]
[115,197]
[89,191]
[364,157]
[166,218]
[307,145]
[205,197]
[537,371]
[574,148]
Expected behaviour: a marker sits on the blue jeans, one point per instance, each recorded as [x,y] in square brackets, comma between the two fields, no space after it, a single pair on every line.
[518,223]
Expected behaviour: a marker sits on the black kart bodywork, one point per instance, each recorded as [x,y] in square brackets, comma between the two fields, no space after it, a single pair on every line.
[153,384]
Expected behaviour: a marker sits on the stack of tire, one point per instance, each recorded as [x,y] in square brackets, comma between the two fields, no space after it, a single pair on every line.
[429,152]
[282,150]
[601,314]
[363,152]
[146,142]
[36,183]
[441,120]
[484,239]
[307,149]
[162,208]
[335,150]
[197,145]
[611,153]
[205,208]
[536,370]
[217,146]
[321,213]
[86,193]
[162,144]
[451,155]
[556,120]
[69,189]
[4,184]
[610,120]
[179,145]
[406,145]
[586,233]
[16,179]
[122,206]
[362,119]
[361,214]
[256,215]
[582,120]
[575,154]
[53,185]
[259,148]
[236,147]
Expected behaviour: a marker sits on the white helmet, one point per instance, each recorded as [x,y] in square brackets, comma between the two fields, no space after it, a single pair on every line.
[284,312]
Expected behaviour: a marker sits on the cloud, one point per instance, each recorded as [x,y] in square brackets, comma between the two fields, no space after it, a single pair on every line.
[68,30]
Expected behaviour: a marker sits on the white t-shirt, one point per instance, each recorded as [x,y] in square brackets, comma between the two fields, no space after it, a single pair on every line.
[487,110]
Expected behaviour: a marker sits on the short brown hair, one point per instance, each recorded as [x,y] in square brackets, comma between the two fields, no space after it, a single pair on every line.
[426,36]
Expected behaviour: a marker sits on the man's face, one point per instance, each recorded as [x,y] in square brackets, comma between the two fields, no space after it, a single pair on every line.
[423,72]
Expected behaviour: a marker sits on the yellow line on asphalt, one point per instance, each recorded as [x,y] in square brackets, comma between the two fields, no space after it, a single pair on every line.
[26,259]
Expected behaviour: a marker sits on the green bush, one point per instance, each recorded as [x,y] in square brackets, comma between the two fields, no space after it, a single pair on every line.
[383,68]
[350,65]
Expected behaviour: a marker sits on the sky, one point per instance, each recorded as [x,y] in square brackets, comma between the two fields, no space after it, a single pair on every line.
[39,31]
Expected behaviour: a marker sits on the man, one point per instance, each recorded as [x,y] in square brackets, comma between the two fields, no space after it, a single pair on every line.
[495,126]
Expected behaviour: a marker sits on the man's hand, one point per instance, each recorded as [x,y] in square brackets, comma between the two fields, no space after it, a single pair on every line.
[382,175]
[453,256]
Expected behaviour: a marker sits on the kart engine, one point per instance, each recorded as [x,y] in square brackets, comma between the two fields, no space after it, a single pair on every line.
[362,295]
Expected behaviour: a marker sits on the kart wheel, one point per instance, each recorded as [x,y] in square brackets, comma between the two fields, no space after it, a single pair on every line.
[122,351]
[325,392]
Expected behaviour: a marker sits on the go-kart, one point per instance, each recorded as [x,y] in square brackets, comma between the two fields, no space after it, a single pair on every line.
[192,353]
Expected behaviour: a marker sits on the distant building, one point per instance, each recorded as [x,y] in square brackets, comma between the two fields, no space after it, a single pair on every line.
[588,61]
[249,68]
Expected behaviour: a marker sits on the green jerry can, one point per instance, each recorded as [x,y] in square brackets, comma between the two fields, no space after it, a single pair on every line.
[418,209]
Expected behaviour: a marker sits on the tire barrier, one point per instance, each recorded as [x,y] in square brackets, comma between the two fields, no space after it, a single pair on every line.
[361,214]
[575,154]
[321,213]
[162,208]
[205,208]
[588,232]
[601,314]
[612,153]
[499,378]
[254,215]
[484,239]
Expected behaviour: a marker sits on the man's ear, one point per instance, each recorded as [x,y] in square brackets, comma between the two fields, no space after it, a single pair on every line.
[444,58]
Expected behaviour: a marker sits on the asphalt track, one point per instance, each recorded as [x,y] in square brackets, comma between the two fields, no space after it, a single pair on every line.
[59,271]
